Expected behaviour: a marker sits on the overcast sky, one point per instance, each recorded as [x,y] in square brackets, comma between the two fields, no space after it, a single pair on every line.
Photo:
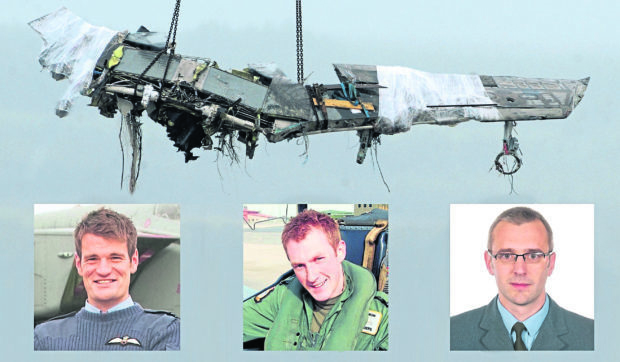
[77,159]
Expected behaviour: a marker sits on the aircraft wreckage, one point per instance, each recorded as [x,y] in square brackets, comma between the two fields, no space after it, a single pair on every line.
[202,105]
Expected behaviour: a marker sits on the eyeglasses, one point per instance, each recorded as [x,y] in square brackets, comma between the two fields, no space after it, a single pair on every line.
[529,258]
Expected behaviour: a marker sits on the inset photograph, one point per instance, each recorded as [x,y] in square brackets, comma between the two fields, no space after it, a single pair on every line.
[522,277]
[315,277]
[107,277]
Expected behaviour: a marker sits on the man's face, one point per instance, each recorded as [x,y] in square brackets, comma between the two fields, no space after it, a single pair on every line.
[317,265]
[520,285]
[106,267]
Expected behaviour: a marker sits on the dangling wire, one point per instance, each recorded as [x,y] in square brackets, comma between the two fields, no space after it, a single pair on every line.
[300,45]
[131,133]
[375,143]
[508,161]
[304,139]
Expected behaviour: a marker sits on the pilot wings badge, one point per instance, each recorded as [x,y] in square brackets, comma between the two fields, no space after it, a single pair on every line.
[124,341]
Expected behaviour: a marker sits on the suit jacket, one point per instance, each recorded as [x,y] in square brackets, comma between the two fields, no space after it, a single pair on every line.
[482,329]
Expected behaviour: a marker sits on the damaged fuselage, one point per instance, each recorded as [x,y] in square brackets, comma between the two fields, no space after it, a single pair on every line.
[201,105]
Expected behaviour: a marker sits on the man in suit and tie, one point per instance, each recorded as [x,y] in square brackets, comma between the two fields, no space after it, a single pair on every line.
[522,316]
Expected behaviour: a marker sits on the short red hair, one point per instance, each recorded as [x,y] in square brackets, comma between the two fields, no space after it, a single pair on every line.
[299,227]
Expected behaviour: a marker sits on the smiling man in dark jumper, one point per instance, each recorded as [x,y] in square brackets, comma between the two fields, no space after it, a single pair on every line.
[106,256]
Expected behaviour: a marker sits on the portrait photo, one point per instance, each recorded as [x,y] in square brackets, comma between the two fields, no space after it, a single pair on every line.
[107,277]
[315,277]
[522,263]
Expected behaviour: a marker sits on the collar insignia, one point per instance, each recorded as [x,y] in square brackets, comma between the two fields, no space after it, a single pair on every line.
[123,341]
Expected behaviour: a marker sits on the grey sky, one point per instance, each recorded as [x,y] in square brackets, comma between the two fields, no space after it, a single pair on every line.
[77,159]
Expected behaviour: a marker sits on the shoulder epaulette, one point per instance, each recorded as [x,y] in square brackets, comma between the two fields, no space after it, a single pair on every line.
[287,280]
[259,297]
[265,292]
[284,280]
[62,316]
[382,298]
[154,311]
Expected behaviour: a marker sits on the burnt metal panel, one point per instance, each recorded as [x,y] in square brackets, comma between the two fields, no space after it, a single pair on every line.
[135,61]
[488,81]
[288,100]
[185,70]
[147,39]
[531,98]
[231,87]
[357,73]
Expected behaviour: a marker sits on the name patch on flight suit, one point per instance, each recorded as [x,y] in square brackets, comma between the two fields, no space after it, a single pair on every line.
[372,325]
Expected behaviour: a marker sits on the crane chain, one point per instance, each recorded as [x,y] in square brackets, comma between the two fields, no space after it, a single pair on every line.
[300,50]
[173,28]
[172,32]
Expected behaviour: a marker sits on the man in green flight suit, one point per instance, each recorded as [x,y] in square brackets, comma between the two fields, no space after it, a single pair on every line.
[330,303]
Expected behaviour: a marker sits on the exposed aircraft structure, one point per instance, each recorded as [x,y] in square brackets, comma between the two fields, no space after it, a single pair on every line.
[204,106]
